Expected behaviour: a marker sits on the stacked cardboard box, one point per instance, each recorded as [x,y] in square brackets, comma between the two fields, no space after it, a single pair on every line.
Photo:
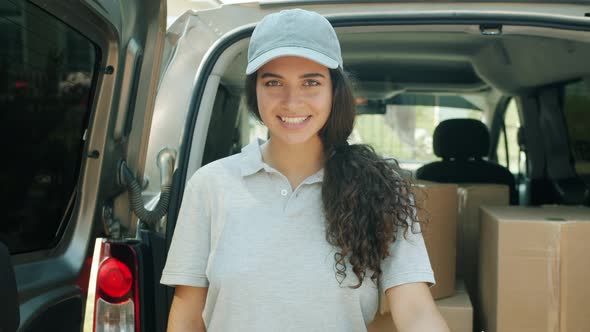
[534,269]
[456,310]
[471,197]
[438,205]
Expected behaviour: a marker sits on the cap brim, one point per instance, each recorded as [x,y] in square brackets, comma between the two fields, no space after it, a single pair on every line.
[307,53]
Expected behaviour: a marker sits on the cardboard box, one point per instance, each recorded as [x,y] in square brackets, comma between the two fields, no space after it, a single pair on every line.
[471,197]
[456,310]
[534,269]
[439,206]
[438,202]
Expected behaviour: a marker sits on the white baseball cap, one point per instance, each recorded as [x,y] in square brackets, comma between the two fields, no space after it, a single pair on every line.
[294,32]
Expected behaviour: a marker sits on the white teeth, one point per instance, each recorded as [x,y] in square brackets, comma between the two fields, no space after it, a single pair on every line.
[293,120]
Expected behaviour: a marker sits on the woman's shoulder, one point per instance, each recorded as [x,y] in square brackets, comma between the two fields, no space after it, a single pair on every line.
[224,172]
[220,170]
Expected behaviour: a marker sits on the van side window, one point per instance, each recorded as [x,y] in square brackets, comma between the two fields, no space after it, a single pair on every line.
[508,149]
[576,108]
[46,71]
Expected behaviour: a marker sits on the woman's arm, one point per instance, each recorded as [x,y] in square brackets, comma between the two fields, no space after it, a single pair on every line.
[186,310]
[413,309]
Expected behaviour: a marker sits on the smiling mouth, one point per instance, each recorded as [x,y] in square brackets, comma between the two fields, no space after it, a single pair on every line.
[294,120]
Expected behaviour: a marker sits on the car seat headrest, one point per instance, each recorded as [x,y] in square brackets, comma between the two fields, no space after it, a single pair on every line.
[461,139]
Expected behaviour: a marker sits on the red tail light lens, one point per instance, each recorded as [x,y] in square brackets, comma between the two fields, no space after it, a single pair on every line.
[114,278]
[112,304]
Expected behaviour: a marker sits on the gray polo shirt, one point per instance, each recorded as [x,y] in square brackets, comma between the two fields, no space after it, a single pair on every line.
[261,249]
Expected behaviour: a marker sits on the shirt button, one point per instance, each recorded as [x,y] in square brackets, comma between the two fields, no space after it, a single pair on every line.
[284,192]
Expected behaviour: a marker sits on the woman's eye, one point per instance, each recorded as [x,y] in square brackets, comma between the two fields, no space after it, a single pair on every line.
[272,83]
[311,83]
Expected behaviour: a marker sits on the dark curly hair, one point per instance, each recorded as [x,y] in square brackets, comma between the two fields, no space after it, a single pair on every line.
[365,199]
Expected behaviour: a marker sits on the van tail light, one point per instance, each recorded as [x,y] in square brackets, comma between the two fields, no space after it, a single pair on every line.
[112,304]
[114,278]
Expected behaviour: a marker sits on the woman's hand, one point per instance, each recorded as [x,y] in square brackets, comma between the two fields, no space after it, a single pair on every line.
[413,309]
[186,310]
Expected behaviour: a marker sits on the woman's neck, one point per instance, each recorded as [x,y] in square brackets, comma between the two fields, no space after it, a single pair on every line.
[295,161]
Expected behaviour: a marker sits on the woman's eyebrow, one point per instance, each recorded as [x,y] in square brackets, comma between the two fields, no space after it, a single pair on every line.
[310,75]
[265,75]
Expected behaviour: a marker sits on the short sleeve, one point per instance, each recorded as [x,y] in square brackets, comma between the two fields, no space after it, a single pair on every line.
[407,261]
[189,250]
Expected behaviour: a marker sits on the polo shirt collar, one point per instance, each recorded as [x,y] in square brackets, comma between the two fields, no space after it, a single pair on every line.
[252,163]
[252,158]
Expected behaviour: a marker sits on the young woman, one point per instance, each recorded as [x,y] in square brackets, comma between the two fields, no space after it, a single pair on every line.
[302,232]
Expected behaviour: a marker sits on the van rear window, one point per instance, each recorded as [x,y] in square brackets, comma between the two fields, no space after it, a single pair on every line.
[404,131]
[46,69]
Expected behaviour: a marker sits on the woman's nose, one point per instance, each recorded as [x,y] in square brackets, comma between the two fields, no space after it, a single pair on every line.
[292,99]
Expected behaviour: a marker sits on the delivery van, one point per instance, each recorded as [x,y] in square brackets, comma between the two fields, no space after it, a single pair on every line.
[106,113]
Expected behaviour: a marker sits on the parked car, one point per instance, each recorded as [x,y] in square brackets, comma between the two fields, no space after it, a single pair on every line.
[103,110]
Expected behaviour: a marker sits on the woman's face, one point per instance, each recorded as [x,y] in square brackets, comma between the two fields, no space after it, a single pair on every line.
[294,98]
